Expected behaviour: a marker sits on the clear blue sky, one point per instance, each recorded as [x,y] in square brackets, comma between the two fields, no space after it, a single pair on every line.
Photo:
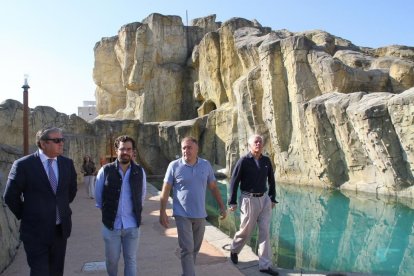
[53,40]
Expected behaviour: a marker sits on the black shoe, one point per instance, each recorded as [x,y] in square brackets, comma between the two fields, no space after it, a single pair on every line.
[269,271]
[234,258]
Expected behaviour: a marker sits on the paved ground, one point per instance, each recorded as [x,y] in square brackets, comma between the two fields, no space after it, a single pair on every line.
[158,248]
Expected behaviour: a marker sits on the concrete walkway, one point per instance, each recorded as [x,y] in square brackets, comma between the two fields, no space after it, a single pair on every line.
[158,252]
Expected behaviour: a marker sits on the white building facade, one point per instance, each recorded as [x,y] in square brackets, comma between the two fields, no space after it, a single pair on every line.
[88,110]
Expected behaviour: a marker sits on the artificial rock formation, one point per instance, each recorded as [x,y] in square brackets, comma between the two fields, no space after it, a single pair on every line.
[334,114]
[80,141]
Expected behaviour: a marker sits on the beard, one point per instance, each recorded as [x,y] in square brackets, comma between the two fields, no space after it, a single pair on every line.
[125,159]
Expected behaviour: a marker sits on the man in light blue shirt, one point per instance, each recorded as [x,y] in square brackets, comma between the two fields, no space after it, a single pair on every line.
[189,178]
[120,193]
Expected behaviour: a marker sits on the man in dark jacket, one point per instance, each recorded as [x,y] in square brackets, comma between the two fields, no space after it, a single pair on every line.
[39,189]
[254,173]
[120,193]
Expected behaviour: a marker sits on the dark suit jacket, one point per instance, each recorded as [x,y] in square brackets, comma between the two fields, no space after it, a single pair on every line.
[30,197]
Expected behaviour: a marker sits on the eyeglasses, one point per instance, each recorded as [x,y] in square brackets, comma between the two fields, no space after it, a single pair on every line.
[125,149]
[55,140]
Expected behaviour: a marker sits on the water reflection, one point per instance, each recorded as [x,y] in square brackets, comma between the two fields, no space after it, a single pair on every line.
[317,229]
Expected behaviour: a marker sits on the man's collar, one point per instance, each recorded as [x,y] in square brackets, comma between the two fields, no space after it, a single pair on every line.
[43,156]
[185,163]
[250,155]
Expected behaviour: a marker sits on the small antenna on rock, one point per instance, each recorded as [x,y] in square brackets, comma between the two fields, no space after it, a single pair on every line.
[186,33]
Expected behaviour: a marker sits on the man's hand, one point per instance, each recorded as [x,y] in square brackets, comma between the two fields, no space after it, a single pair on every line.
[164,219]
[233,207]
[223,213]
[165,193]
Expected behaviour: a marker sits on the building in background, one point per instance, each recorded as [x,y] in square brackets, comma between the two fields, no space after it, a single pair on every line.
[88,110]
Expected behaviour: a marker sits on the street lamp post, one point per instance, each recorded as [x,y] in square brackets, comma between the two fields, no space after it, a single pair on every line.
[25,116]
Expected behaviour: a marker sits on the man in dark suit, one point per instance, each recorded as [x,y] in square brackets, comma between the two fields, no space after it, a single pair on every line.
[39,189]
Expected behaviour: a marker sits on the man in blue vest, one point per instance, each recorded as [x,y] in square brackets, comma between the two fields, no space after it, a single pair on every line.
[120,193]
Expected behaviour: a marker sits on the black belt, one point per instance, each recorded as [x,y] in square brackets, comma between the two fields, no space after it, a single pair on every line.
[253,194]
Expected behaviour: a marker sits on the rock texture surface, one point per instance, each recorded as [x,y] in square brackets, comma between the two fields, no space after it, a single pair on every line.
[81,140]
[333,114]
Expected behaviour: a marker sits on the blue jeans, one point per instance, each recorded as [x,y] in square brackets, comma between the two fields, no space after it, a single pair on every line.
[129,239]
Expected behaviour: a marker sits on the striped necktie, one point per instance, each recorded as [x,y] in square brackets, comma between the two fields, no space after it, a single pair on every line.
[53,183]
[52,177]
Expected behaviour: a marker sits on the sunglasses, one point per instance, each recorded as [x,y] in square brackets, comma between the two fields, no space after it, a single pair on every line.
[55,140]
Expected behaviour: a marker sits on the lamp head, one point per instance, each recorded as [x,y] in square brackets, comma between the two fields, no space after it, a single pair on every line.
[26,83]
[26,78]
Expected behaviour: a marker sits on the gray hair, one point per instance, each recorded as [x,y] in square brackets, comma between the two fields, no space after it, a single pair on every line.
[252,137]
[43,134]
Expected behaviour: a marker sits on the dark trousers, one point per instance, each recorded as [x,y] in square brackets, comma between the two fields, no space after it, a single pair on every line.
[46,259]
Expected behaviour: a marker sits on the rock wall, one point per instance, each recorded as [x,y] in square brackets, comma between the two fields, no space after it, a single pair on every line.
[334,114]
[81,140]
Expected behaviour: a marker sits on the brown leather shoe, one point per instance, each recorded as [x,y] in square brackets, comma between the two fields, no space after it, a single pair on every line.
[269,271]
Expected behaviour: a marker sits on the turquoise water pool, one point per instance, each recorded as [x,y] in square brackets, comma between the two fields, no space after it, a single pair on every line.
[315,229]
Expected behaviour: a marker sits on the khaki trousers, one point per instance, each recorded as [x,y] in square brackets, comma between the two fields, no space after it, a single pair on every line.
[255,211]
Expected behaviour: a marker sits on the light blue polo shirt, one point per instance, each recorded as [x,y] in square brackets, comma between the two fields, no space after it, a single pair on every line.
[189,185]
